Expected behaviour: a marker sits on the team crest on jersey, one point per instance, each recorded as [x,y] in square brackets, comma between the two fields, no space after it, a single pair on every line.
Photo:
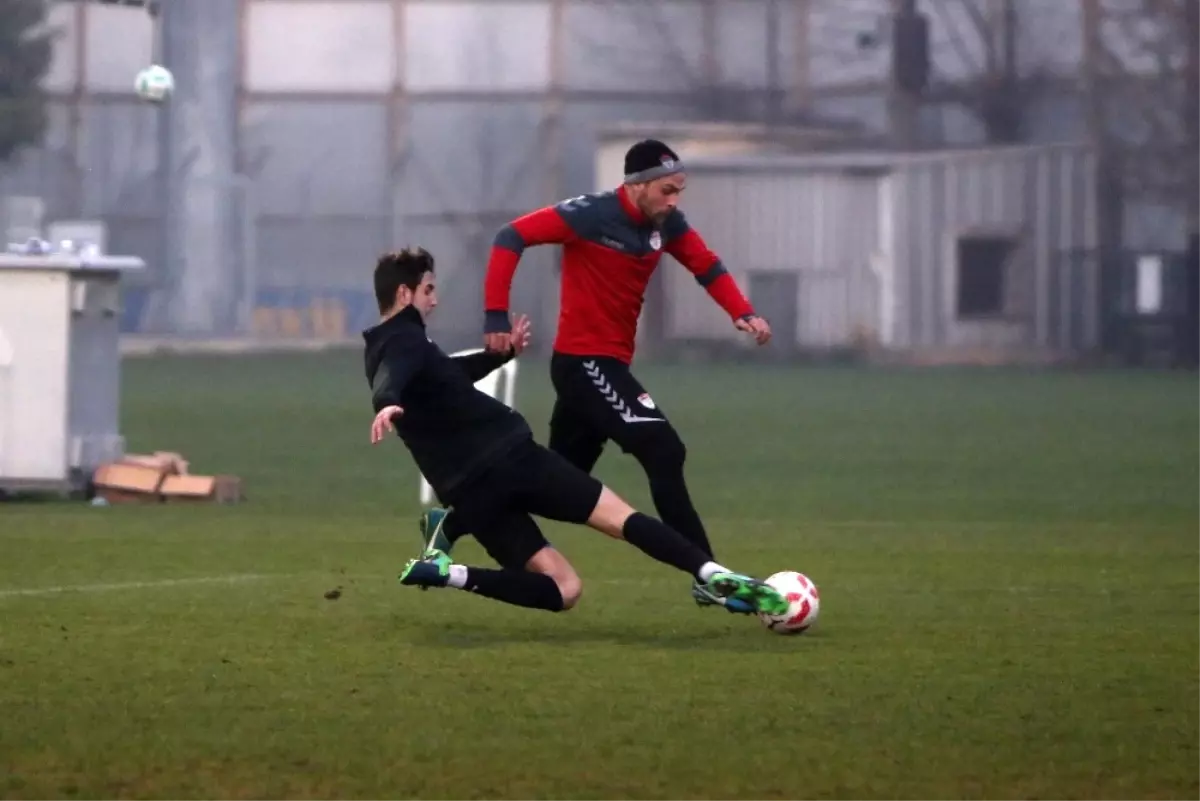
[656,241]
[646,400]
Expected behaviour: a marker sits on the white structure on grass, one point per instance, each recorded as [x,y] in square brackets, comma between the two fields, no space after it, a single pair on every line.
[60,366]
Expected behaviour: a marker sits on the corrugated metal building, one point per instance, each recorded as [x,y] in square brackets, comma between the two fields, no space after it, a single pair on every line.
[990,248]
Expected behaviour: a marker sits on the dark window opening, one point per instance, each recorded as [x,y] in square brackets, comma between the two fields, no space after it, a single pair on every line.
[982,267]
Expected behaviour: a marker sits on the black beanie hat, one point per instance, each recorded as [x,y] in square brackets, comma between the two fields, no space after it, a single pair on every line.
[650,159]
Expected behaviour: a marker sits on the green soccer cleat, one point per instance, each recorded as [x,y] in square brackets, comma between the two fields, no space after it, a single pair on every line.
[758,595]
[431,570]
[706,597]
[433,537]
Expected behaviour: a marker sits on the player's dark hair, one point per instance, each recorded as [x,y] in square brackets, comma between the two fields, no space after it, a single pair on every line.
[400,268]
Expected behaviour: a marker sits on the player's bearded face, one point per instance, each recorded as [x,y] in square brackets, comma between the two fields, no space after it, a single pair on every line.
[661,196]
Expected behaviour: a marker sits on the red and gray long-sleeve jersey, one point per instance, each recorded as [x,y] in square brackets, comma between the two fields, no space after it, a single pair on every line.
[610,250]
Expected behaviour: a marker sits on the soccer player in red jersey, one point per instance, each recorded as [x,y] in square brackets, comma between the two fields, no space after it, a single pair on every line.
[612,244]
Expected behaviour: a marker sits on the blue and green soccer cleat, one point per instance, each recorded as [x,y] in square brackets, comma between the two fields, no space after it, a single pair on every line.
[431,570]
[706,597]
[433,537]
[757,595]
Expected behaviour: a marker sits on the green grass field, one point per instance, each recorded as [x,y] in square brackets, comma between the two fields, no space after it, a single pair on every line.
[1008,566]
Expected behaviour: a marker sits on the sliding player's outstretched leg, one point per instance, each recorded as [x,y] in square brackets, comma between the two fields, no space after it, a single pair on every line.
[558,490]
[659,541]
[611,515]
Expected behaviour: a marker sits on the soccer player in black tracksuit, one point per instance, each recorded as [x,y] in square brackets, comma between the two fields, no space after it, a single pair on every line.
[479,455]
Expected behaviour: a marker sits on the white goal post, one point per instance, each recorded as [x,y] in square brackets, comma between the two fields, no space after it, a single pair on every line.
[491,384]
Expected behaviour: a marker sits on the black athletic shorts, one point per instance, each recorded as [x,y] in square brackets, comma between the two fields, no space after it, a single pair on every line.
[529,480]
[598,399]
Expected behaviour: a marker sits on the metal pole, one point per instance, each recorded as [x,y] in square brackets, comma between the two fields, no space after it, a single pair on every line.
[1190,350]
[774,80]
[554,109]
[799,97]
[904,104]
[203,274]
[1108,195]
[163,270]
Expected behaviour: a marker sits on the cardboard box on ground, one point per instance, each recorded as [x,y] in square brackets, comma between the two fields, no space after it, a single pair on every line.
[160,477]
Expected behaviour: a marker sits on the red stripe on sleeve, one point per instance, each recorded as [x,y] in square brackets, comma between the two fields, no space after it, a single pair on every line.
[497,285]
[542,227]
[726,293]
[693,253]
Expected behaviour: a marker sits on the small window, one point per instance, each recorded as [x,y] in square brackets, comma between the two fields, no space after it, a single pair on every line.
[982,274]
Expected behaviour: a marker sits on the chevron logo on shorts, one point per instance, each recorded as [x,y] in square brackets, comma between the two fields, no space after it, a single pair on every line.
[612,397]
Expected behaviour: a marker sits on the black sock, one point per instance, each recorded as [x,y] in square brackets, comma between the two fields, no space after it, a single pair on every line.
[516,587]
[658,541]
[674,504]
[662,458]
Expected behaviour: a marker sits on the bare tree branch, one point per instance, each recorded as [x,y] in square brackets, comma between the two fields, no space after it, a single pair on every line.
[625,57]
[661,27]
[997,93]
[1147,70]
[977,15]
[957,40]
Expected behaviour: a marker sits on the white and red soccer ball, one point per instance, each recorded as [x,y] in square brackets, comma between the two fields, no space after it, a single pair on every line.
[804,603]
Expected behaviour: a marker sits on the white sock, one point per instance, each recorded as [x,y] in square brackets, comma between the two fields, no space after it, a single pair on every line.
[458,577]
[710,569]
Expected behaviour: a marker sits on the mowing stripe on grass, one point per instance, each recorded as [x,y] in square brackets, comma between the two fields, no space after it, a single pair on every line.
[140,585]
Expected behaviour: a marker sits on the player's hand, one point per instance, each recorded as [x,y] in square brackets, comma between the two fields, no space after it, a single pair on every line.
[498,343]
[522,332]
[757,326]
[383,423]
